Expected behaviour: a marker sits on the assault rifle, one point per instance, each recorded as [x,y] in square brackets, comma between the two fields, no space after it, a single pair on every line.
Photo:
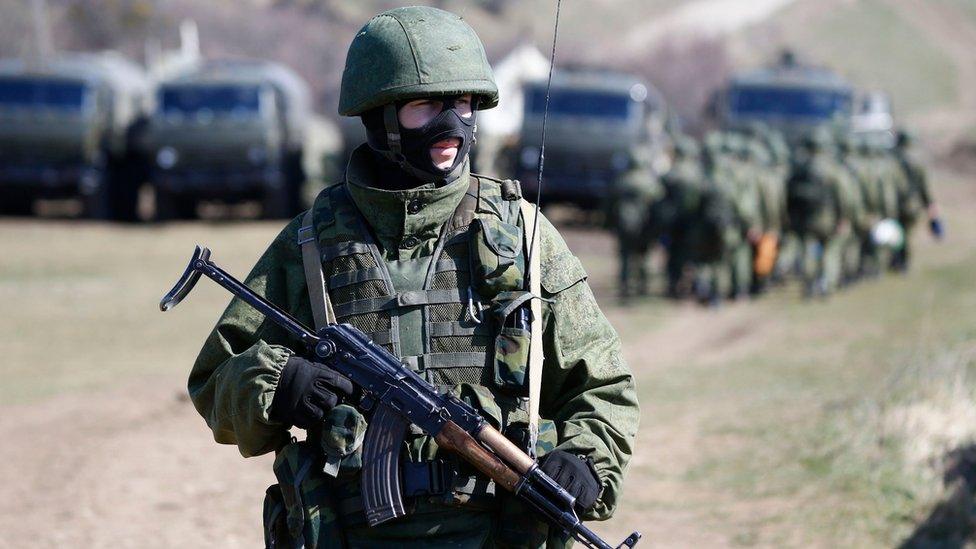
[397,397]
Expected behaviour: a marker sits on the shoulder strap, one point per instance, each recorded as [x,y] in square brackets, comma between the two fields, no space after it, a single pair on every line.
[535,343]
[318,294]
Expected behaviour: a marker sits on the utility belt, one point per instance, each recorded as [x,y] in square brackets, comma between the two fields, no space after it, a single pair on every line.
[308,506]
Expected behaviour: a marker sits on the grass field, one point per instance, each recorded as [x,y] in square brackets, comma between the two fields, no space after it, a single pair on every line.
[776,423]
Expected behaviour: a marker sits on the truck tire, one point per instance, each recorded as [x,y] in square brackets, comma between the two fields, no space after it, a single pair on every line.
[286,202]
[16,204]
[124,183]
[97,204]
[174,207]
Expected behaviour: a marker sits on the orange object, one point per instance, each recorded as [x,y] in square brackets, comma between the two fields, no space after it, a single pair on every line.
[765,254]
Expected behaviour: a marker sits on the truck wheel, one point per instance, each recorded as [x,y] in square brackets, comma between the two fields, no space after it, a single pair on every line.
[124,183]
[97,197]
[18,204]
[172,207]
[286,202]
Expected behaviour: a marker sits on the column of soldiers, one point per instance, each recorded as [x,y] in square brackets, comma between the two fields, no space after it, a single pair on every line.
[744,210]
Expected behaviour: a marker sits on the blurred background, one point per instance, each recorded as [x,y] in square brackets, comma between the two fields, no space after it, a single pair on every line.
[796,390]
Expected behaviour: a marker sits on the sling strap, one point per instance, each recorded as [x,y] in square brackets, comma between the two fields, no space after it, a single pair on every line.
[535,343]
[318,294]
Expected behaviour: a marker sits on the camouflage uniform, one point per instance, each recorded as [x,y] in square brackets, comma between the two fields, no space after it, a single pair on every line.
[914,197]
[424,271]
[881,201]
[820,208]
[742,176]
[629,214]
[858,181]
[715,232]
[684,184]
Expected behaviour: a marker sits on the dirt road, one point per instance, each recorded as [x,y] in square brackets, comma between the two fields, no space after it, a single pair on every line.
[102,449]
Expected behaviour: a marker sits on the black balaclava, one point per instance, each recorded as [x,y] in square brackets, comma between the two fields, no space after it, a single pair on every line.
[410,148]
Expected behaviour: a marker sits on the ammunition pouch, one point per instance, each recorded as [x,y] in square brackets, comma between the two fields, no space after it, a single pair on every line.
[497,262]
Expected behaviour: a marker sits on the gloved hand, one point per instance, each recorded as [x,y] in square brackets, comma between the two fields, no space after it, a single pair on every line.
[575,474]
[306,392]
[936,227]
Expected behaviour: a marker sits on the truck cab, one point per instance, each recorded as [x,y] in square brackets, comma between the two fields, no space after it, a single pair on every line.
[226,133]
[788,97]
[65,129]
[595,117]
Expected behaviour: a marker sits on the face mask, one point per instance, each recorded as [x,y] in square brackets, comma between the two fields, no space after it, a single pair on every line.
[410,148]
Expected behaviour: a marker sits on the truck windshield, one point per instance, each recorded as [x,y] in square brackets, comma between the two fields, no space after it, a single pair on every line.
[37,93]
[817,104]
[236,100]
[579,103]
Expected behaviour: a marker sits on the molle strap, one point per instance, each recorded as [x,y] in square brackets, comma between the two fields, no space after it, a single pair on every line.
[448,329]
[446,264]
[435,361]
[414,298]
[333,251]
[341,280]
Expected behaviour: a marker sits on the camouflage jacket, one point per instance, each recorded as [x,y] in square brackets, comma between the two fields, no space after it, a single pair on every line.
[588,391]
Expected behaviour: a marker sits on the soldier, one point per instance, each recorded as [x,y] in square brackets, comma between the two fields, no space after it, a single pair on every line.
[742,176]
[684,184]
[854,180]
[819,210]
[913,198]
[426,258]
[629,215]
[881,202]
[715,233]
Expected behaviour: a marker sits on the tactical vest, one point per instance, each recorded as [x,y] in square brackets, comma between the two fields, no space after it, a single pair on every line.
[456,316]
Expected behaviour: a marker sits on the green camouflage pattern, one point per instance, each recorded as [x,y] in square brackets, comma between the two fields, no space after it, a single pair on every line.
[412,52]
[588,392]
[497,258]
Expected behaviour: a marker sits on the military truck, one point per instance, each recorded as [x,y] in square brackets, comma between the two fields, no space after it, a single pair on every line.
[66,128]
[229,131]
[595,117]
[788,96]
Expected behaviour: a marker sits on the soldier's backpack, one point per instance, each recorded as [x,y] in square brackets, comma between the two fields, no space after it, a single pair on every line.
[810,201]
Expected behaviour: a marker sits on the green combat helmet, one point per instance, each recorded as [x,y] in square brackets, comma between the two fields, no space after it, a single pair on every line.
[411,53]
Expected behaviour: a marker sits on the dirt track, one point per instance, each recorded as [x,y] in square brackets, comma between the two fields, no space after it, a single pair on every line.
[112,454]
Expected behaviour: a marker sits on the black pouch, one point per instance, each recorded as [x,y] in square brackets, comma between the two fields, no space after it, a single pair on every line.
[275,522]
[497,263]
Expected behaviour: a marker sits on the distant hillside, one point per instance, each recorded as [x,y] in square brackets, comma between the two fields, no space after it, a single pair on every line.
[920,52]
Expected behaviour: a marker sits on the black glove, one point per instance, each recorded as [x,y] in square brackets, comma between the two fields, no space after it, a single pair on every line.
[937,228]
[306,392]
[574,473]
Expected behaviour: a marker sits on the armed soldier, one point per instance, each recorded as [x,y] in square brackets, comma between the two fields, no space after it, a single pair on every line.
[425,257]
[914,198]
[628,213]
[819,208]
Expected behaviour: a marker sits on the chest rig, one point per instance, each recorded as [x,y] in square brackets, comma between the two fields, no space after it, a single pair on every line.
[458,297]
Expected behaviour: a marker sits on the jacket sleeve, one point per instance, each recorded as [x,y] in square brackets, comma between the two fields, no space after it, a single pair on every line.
[236,373]
[588,391]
